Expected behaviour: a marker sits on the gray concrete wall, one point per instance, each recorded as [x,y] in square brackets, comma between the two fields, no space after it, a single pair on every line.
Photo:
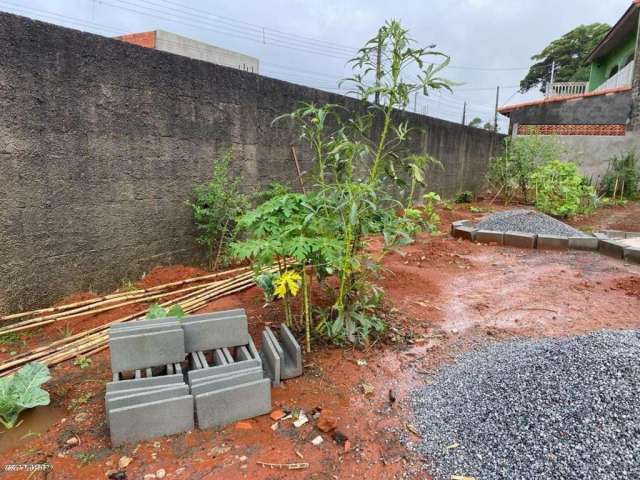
[172,43]
[612,109]
[592,153]
[101,143]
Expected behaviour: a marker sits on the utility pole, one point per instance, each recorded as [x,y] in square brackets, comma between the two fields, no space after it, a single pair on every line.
[495,118]
[464,113]
[378,68]
[549,90]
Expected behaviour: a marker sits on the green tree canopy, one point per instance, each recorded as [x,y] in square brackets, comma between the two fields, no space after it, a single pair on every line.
[476,122]
[570,53]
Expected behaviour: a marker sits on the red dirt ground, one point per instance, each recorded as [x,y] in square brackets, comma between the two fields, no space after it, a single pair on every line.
[443,296]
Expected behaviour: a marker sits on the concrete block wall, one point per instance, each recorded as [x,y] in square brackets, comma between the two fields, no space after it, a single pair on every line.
[102,142]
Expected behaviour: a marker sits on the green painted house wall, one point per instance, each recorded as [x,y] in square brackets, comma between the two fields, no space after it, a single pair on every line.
[601,68]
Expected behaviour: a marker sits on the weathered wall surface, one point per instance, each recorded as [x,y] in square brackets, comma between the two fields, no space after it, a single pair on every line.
[613,109]
[593,153]
[101,143]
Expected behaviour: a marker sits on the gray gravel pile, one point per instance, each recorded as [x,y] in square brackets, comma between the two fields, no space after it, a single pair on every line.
[541,409]
[527,221]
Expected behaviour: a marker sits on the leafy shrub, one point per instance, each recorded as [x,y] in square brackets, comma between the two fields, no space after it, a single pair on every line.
[510,172]
[561,191]
[464,197]
[22,391]
[215,208]
[622,177]
[157,311]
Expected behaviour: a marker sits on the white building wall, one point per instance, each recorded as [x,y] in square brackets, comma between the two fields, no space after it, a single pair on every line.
[179,45]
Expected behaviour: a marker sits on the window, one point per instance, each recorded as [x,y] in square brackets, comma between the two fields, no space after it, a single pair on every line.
[628,60]
[613,71]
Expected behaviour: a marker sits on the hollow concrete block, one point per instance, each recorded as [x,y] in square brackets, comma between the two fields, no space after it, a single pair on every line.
[159,381]
[150,420]
[227,405]
[143,323]
[124,332]
[161,393]
[229,380]
[292,366]
[632,254]
[632,235]
[194,375]
[242,353]
[611,248]
[203,333]
[488,236]
[583,243]
[552,242]
[520,240]
[270,358]
[146,350]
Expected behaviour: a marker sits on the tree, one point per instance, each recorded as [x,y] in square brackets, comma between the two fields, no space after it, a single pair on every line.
[476,122]
[489,126]
[569,53]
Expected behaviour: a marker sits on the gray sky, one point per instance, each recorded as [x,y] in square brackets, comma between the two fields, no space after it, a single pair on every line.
[490,41]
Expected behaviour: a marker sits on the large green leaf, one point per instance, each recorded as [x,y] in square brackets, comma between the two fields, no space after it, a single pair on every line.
[21,391]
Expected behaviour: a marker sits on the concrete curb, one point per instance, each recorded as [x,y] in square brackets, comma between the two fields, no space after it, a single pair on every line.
[606,242]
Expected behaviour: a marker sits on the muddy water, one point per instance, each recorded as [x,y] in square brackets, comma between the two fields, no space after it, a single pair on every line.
[33,423]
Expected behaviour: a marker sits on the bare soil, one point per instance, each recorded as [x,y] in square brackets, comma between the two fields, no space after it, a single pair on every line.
[443,296]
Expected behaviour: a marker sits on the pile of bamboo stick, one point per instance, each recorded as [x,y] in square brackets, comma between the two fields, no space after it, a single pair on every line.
[94,340]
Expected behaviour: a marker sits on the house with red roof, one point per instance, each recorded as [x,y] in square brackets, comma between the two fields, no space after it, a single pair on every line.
[606,105]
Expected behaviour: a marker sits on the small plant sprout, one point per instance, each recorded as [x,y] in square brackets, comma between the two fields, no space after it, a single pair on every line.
[82,362]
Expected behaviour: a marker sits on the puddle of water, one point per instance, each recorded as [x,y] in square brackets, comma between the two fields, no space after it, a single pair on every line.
[34,422]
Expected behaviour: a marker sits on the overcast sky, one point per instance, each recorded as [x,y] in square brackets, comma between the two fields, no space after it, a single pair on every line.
[490,41]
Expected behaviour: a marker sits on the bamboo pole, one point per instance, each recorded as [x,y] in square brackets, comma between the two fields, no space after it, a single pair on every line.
[96,339]
[120,294]
[90,310]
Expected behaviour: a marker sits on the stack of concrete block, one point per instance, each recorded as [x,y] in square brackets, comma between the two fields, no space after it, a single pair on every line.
[226,378]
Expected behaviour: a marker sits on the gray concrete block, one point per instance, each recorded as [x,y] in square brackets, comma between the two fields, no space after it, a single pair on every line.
[226,381]
[292,354]
[227,405]
[161,393]
[253,351]
[552,242]
[600,235]
[193,375]
[520,240]
[227,355]
[632,254]
[134,391]
[144,382]
[203,333]
[146,350]
[219,357]
[464,232]
[611,248]
[632,235]
[488,236]
[194,361]
[142,323]
[242,353]
[270,358]
[203,360]
[583,243]
[615,233]
[123,332]
[150,420]
[276,345]
[221,314]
